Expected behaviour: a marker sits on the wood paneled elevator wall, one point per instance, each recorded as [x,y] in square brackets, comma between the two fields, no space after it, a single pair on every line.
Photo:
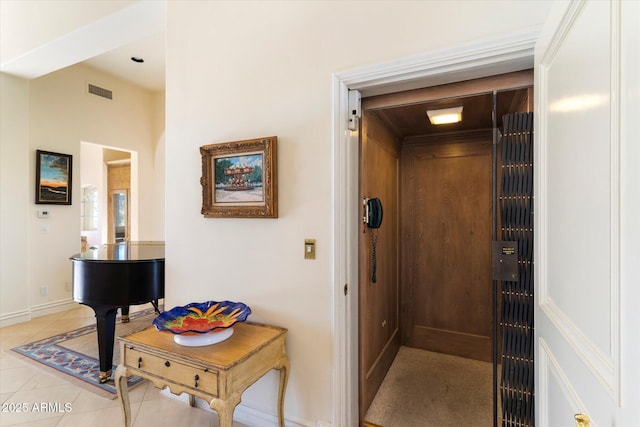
[446,254]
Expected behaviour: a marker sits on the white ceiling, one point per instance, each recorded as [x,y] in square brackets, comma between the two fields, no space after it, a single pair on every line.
[39,37]
[150,74]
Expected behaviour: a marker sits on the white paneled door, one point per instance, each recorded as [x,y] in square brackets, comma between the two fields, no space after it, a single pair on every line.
[587,209]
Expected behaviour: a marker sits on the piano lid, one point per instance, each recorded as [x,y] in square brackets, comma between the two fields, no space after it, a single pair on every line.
[124,252]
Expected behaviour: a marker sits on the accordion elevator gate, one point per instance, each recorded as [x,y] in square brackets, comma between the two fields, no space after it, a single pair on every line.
[513,352]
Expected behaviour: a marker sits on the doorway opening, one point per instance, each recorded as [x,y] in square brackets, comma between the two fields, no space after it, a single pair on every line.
[118,202]
[427,335]
[109,195]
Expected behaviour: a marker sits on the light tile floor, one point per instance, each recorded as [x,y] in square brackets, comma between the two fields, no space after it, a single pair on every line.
[23,385]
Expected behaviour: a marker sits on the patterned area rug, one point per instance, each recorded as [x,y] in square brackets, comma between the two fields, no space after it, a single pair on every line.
[73,355]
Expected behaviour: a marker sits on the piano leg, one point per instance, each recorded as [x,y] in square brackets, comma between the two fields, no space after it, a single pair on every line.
[106,328]
[125,314]
[154,302]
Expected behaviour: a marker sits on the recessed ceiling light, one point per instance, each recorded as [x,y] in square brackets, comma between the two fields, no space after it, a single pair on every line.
[137,59]
[445,115]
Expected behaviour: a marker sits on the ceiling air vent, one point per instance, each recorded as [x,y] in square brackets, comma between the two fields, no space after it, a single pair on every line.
[96,90]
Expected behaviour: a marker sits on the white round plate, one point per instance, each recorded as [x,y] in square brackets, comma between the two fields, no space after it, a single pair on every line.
[200,340]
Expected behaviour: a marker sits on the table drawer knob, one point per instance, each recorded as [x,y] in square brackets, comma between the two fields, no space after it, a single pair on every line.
[197,377]
[139,362]
[167,363]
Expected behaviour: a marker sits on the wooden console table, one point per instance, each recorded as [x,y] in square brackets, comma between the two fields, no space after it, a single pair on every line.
[217,373]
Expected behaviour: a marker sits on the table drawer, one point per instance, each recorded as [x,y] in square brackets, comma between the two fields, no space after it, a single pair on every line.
[200,378]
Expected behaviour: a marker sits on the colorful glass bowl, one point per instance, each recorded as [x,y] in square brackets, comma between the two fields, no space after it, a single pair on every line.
[201,317]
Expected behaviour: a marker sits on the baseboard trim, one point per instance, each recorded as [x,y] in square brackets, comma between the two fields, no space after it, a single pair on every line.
[15,317]
[256,417]
[53,307]
[251,416]
[452,342]
[36,311]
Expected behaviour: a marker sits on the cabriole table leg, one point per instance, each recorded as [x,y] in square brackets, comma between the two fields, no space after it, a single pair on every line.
[283,366]
[225,409]
[123,395]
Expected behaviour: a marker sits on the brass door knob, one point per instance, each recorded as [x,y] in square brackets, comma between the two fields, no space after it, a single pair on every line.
[581,420]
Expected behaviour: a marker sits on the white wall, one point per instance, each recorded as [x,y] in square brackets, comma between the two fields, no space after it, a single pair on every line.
[237,71]
[153,225]
[92,173]
[14,196]
[62,115]
[55,113]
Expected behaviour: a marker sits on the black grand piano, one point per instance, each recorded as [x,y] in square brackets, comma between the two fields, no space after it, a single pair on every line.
[117,276]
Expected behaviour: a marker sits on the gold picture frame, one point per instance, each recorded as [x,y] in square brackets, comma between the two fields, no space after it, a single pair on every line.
[239,179]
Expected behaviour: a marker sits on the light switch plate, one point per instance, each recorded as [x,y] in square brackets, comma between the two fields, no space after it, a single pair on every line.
[309,248]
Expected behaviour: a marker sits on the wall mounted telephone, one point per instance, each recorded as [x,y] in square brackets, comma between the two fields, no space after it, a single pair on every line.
[373,213]
[373,219]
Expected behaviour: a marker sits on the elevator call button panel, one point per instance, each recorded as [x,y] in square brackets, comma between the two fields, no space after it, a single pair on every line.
[505,260]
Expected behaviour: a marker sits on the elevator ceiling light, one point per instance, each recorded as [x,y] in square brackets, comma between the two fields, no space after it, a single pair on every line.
[445,115]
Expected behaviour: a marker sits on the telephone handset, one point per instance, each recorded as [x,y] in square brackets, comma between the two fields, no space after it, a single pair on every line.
[373,213]
[373,219]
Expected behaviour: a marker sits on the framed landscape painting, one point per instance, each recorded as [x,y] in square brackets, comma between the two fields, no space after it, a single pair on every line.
[53,178]
[239,179]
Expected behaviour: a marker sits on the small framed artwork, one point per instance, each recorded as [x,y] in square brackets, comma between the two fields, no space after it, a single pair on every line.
[53,178]
[239,179]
